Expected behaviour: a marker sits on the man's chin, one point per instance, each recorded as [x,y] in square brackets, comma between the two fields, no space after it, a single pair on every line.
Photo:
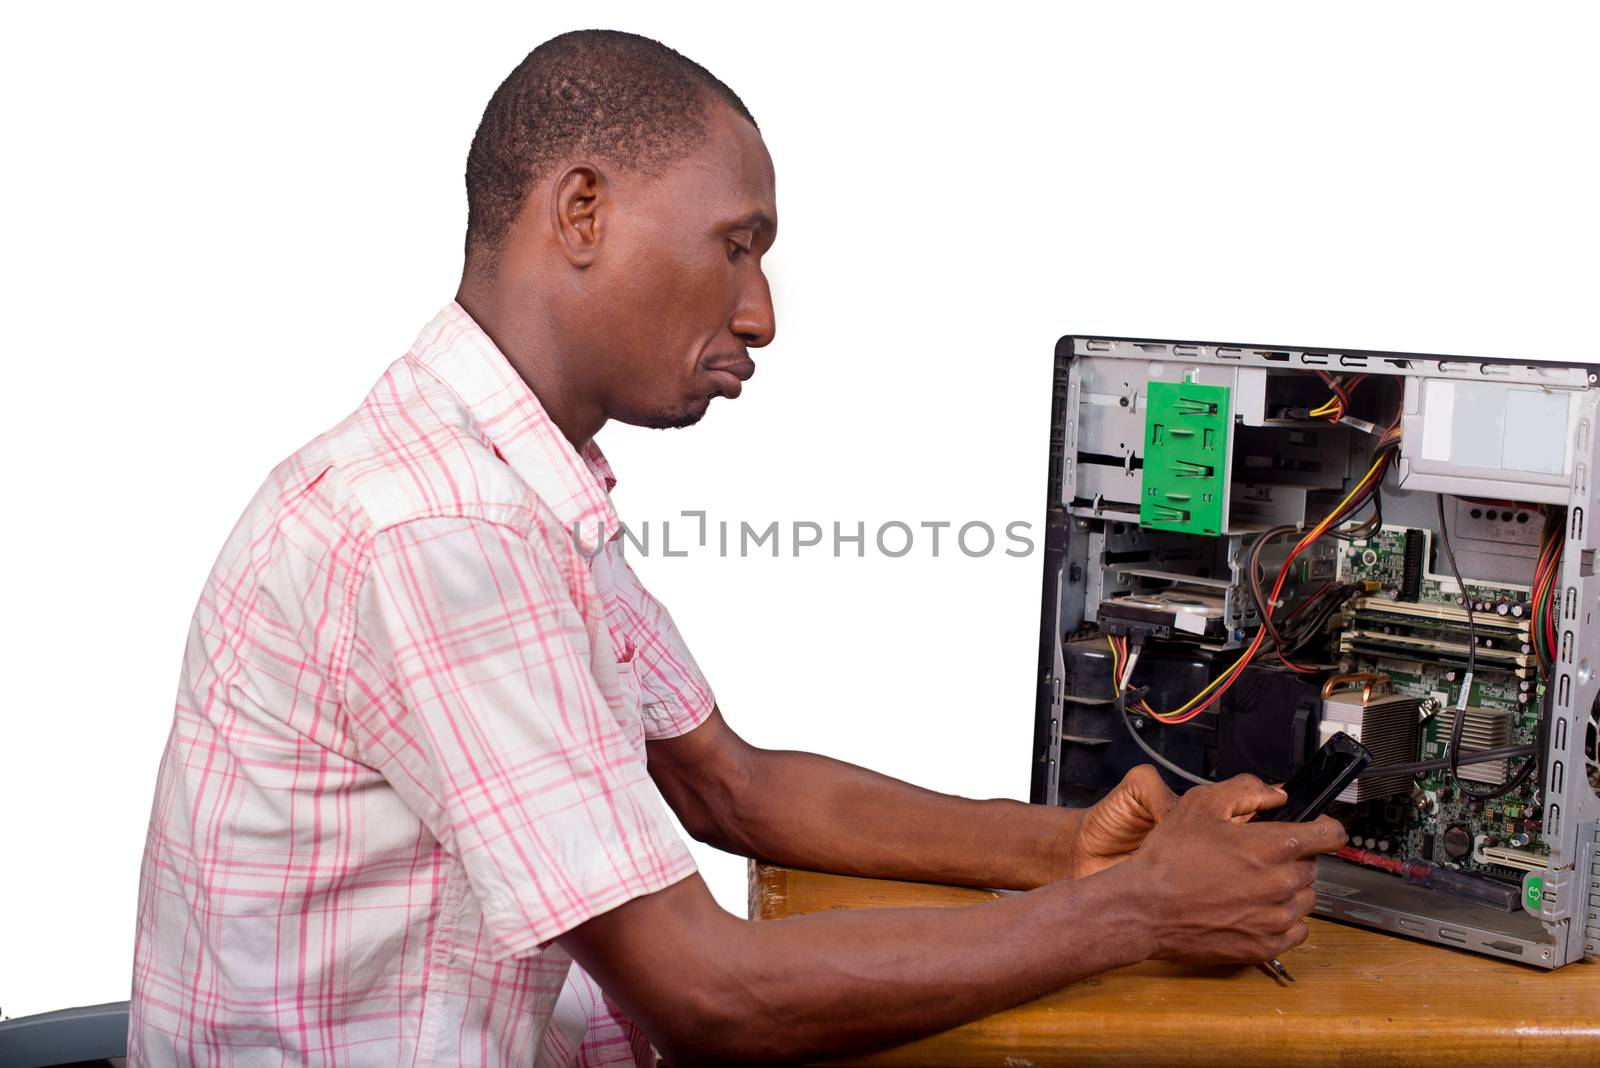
[682,420]
[673,420]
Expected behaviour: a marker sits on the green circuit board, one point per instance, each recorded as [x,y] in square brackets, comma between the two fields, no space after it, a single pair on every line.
[1382,559]
[1416,823]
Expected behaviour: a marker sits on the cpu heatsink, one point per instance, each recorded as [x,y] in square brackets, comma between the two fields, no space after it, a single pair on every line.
[1386,724]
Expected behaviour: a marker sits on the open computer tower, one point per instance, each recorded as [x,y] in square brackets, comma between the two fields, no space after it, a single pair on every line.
[1250,548]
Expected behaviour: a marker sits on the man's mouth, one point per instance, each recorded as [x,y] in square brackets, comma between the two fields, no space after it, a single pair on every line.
[731,375]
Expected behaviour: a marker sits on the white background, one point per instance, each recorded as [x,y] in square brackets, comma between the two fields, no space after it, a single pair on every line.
[220,227]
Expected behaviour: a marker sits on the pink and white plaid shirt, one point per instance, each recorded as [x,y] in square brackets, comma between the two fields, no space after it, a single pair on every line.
[408,749]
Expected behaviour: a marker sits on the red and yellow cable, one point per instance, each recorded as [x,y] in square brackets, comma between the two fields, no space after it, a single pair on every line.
[1207,696]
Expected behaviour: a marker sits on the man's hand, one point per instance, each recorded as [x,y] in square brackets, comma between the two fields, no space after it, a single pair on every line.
[1115,826]
[1219,889]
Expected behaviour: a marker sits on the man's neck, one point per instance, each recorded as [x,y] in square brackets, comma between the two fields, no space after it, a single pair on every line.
[525,333]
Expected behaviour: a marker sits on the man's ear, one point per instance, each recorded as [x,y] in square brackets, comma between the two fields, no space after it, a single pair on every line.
[579,200]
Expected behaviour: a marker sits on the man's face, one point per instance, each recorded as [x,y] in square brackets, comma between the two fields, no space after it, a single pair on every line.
[678,288]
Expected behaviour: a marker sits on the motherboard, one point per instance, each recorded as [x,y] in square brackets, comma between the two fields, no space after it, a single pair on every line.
[1412,628]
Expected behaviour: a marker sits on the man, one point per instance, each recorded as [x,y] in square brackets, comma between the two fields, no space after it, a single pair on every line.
[428,714]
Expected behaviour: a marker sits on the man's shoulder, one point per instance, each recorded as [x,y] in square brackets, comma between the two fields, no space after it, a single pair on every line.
[412,451]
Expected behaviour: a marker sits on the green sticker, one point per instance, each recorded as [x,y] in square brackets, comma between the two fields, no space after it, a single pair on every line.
[1533,892]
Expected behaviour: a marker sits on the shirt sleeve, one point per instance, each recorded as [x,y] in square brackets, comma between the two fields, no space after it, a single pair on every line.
[677,698]
[471,688]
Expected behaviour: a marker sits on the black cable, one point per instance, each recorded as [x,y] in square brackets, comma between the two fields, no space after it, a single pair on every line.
[1512,783]
[1120,699]
[1127,721]
[1472,756]
[1539,742]
[1458,721]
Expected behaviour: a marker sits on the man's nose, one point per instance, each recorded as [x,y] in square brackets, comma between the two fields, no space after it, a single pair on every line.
[754,321]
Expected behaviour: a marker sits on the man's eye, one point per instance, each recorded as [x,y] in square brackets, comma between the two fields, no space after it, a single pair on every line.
[735,250]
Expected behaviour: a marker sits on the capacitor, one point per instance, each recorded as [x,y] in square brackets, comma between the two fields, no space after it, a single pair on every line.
[1522,698]
[1383,845]
[1355,839]
[1503,609]
[1516,610]
[1460,599]
[1369,842]
[1518,840]
[1523,684]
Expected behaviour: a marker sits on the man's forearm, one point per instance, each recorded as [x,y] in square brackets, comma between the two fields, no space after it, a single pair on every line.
[841,982]
[1202,889]
[811,811]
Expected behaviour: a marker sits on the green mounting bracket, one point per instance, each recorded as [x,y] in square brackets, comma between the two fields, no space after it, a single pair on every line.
[1185,457]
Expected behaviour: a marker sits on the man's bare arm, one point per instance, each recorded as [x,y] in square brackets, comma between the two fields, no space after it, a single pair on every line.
[811,811]
[707,987]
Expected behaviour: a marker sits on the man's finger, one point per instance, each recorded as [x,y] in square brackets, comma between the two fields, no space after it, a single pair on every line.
[1242,795]
[1322,835]
[1146,786]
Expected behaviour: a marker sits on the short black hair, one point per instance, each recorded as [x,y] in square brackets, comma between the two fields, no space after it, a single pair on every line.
[618,97]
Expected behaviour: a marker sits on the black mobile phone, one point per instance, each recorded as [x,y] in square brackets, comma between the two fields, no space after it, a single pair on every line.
[1319,781]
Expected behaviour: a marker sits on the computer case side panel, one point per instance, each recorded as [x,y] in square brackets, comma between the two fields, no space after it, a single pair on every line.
[1567,894]
[1047,709]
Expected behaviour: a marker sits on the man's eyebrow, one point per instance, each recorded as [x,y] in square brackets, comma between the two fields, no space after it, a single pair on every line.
[757,220]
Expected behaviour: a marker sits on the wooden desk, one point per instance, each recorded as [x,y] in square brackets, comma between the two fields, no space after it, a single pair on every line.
[1362,998]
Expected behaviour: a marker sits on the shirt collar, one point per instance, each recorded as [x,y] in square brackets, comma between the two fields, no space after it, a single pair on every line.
[454,348]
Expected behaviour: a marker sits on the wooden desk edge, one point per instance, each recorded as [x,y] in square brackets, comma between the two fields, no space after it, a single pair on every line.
[1045,1033]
